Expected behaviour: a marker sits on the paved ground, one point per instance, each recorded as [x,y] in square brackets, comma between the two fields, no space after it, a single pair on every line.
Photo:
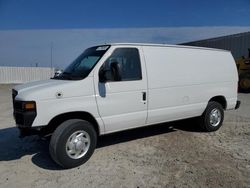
[167,155]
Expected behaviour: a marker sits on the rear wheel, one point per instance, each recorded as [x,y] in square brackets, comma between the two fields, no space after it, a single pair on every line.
[212,117]
[73,143]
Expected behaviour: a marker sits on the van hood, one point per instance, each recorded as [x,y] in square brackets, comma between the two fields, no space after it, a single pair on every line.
[53,89]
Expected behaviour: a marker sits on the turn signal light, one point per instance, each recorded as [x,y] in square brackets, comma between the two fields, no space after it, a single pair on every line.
[29,106]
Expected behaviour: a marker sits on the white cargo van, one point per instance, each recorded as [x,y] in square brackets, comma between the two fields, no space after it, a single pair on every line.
[115,87]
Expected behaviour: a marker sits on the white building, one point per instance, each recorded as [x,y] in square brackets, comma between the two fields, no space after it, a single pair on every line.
[10,75]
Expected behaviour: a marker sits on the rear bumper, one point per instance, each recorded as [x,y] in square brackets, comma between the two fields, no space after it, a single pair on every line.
[237,105]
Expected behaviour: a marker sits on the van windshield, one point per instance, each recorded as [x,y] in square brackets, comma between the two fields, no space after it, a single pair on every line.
[82,66]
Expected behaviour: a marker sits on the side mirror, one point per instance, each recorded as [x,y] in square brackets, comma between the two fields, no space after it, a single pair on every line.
[102,76]
[113,73]
[105,75]
[116,71]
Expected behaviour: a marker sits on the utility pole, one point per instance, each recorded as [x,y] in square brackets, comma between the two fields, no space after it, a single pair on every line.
[51,61]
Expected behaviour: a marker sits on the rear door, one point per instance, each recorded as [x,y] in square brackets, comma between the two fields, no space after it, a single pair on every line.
[123,104]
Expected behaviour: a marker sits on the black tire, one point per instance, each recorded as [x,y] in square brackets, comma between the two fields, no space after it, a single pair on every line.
[205,117]
[59,139]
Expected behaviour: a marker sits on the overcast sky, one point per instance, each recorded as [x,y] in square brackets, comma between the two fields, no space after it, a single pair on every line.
[28,28]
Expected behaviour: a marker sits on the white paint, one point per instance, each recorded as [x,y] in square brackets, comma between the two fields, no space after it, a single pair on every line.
[178,80]
[198,74]
[120,103]
[76,96]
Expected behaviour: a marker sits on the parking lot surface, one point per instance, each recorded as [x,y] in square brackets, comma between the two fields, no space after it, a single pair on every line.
[172,154]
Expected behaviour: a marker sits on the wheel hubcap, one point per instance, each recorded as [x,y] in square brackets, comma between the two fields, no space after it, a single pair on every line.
[215,117]
[78,144]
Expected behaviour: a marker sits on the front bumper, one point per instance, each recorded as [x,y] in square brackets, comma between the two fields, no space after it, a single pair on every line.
[237,105]
[24,131]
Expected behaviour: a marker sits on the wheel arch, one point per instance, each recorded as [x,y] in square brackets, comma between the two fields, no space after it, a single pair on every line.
[221,100]
[60,118]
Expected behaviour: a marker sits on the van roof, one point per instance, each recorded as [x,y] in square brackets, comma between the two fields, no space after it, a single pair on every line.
[166,45]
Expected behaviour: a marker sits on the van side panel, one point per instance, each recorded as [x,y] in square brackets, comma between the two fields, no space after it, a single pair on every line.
[182,80]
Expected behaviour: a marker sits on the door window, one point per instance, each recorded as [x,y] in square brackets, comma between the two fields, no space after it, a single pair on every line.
[129,62]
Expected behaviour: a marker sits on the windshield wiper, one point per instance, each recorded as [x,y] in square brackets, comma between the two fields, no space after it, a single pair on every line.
[67,76]
[66,73]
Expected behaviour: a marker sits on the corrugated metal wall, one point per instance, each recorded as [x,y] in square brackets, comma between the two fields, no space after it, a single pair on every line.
[238,44]
[24,74]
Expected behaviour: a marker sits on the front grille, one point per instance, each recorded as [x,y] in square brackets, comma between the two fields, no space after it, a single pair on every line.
[19,119]
[23,118]
[17,105]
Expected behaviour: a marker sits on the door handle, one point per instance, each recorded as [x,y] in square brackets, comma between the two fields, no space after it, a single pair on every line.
[144,96]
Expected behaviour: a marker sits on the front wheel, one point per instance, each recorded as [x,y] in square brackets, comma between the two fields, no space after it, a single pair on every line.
[212,117]
[73,143]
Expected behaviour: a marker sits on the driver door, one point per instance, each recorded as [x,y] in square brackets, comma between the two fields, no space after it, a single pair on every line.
[123,104]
